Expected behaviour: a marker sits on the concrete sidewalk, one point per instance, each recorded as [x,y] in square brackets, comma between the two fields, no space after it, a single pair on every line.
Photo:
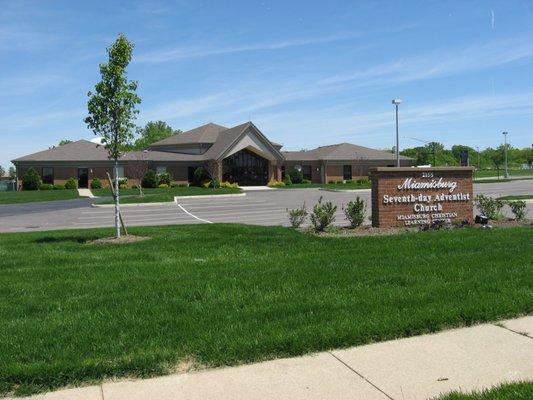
[419,367]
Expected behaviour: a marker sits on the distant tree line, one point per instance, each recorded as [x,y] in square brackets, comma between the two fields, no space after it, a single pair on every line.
[435,154]
[152,132]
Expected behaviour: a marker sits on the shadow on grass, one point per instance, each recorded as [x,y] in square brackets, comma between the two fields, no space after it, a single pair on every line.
[67,239]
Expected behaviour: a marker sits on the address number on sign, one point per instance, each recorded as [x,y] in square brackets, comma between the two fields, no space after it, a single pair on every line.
[427,174]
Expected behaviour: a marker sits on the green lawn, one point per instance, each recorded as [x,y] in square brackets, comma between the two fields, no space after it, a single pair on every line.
[486,173]
[511,391]
[162,195]
[338,186]
[32,196]
[517,197]
[73,313]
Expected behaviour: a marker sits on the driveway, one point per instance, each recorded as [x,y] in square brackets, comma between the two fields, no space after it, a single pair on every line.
[261,208]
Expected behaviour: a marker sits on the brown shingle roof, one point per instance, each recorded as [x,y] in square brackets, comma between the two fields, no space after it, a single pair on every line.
[207,133]
[341,151]
[81,150]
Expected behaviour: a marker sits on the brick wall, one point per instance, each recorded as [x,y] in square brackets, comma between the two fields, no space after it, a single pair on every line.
[403,211]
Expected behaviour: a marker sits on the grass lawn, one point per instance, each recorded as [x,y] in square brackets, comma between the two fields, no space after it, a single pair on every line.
[517,197]
[221,294]
[338,186]
[510,391]
[486,173]
[161,195]
[32,196]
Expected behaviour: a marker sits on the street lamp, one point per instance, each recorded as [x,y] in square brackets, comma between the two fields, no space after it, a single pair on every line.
[397,102]
[505,152]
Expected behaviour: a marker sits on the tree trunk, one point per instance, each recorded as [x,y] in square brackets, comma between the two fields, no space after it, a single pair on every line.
[117,208]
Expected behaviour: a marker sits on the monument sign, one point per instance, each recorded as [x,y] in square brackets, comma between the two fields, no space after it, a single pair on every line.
[418,196]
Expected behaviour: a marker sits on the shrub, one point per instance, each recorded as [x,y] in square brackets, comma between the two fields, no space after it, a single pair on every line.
[149,180]
[96,183]
[275,184]
[331,182]
[229,185]
[323,215]
[518,207]
[339,182]
[164,178]
[363,181]
[59,187]
[306,181]
[355,212]
[46,186]
[71,184]
[163,186]
[348,181]
[489,207]
[31,180]
[206,183]
[297,216]
[200,176]
[287,180]
[122,183]
[215,183]
[296,176]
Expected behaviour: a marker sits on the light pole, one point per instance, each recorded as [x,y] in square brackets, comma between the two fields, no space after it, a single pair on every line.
[505,152]
[397,102]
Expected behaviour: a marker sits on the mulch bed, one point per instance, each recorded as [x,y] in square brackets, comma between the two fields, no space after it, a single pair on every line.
[122,240]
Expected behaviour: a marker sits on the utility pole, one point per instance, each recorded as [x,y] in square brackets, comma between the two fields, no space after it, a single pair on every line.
[505,152]
[397,102]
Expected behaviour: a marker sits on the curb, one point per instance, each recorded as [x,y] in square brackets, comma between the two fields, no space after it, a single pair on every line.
[208,196]
[345,190]
[132,204]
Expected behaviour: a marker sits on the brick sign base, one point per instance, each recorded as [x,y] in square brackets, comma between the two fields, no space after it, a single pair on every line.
[419,196]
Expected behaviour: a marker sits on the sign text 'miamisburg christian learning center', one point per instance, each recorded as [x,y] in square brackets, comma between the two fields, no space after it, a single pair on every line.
[419,196]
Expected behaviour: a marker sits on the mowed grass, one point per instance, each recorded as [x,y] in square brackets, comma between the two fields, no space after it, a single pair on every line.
[510,391]
[31,196]
[485,173]
[73,313]
[337,186]
[517,197]
[162,195]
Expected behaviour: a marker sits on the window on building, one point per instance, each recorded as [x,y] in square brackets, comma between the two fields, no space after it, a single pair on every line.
[283,172]
[48,175]
[347,172]
[120,171]
[306,172]
[161,169]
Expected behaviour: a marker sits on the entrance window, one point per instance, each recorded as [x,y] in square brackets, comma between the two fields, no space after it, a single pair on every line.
[306,172]
[245,168]
[347,172]
[48,175]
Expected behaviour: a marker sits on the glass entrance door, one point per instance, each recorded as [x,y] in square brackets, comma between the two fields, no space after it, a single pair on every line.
[83,178]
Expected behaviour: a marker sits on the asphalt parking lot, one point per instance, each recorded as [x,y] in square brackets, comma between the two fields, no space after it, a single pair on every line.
[260,208]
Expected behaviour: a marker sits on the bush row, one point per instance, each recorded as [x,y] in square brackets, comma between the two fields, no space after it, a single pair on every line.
[323,215]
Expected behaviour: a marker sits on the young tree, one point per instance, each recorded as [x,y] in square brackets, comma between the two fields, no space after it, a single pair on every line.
[112,108]
[2,171]
[12,172]
[64,141]
[153,132]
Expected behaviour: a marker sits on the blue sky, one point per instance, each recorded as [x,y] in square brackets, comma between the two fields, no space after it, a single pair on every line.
[307,73]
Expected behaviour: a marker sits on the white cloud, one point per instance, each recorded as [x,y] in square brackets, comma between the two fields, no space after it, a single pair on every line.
[160,56]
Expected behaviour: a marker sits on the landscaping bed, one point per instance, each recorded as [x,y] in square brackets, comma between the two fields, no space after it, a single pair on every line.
[32,196]
[222,294]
